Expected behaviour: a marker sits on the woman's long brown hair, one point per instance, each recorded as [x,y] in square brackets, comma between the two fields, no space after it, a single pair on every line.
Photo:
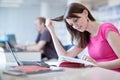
[82,38]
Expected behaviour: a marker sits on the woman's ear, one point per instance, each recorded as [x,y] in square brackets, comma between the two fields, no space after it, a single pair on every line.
[85,12]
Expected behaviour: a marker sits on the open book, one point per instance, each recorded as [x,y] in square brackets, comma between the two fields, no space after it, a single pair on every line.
[73,62]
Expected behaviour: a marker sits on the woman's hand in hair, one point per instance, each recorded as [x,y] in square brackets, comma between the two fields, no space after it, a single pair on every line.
[49,25]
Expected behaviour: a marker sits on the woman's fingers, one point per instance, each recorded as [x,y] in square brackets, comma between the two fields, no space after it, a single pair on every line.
[84,57]
[49,25]
[87,58]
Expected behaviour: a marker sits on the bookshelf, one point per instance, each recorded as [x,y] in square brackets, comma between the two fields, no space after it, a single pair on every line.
[109,14]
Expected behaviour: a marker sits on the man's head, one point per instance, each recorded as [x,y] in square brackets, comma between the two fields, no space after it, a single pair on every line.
[40,23]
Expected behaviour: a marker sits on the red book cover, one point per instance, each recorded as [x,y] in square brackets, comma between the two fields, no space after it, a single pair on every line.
[25,70]
[71,64]
[31,69]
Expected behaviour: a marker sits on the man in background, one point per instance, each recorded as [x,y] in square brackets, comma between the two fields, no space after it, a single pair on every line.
[43,41]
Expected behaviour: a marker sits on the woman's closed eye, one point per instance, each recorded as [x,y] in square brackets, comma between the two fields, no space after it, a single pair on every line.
[75,20]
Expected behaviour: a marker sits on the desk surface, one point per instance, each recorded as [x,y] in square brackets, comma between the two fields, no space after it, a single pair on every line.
[94,73]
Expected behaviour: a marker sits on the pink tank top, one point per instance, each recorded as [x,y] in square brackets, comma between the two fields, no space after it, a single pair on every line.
[99,48]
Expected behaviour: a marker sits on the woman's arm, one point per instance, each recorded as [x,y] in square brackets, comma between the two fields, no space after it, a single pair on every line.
[110,64]
[73,52]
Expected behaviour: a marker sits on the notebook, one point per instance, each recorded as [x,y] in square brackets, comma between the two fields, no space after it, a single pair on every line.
[30,70]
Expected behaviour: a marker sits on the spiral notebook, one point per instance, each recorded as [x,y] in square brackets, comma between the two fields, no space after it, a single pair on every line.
[30,70]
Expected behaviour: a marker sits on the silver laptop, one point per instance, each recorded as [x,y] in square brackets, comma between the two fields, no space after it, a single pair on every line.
[11,39]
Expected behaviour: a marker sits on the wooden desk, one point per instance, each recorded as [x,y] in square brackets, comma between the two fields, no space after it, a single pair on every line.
[95,73]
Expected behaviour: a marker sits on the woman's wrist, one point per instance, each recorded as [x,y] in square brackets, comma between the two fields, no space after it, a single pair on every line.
[53,34]
[51,30]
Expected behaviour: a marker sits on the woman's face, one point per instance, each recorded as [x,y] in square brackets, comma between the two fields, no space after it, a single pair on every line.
[80,23]
[38,25]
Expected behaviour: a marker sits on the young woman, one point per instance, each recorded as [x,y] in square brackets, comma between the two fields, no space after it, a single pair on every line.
[103,40]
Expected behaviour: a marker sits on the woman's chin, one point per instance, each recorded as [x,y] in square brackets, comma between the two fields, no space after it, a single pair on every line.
[81,30]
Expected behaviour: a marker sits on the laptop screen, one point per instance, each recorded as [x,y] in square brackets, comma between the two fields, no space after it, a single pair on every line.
[11,40]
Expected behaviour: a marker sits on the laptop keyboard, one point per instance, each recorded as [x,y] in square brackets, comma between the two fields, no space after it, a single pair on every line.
[14,50]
